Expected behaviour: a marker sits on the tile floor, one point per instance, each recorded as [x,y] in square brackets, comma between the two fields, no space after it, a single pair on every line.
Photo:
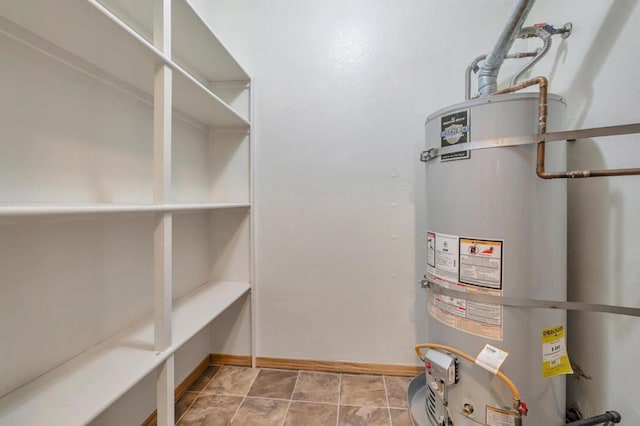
[243,396]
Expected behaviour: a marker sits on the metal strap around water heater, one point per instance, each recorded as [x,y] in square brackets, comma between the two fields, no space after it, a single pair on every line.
[570,135]
[531,303]
[482,144]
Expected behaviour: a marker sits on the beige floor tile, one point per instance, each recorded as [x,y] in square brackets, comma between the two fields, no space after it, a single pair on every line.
[232,381]
[261,412]
[183,403]
[400,417]
[221,407]
[363,416]
[397,390]
[274,384]
[317,387]
[204,378]
[363,398]
[363,390]
[311,413]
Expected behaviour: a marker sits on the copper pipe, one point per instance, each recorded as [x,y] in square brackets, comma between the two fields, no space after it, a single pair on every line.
[572,174]
[542,130]
[542,105]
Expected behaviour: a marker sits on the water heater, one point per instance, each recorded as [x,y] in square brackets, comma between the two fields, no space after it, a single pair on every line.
[493,229]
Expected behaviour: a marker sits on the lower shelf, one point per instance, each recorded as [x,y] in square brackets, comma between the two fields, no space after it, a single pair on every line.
[79,390]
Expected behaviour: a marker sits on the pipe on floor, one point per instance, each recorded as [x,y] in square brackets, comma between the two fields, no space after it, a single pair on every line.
[608,417]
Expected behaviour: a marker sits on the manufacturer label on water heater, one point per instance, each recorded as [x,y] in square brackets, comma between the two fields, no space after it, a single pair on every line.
[468,265]
[499,417]
[455,128]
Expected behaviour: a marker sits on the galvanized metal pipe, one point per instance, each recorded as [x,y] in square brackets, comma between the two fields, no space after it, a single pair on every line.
[488,77]
[546,40]
[474,64]
[467,76]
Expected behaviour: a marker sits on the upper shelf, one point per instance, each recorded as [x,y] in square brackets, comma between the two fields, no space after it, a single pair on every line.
[88,37]
[99,208]
[194,44]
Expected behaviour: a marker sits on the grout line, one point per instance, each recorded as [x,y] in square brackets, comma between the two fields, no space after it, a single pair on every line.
[204,389]
[217,371]
[260,397]
[339,402]
[212,377]
[386,394]
[186,410]
[290,400]
[286,413]
[295,386]
[198,394]
[306,401]
[245,396]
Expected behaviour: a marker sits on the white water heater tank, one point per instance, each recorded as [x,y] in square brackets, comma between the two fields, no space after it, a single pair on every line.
[494,227]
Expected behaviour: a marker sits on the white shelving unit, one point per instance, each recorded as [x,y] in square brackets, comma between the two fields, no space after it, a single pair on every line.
[128,159]
[85,385]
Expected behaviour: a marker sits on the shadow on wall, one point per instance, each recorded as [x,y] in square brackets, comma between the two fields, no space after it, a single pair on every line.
[230,330]
[593,264]
[420,232]
[580,93]
[588,273]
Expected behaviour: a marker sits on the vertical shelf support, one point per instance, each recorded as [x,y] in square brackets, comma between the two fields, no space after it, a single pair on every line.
[252,224]
[163,285]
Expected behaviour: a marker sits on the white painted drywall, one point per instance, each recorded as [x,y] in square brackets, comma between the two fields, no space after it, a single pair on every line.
[597,70]
[343,89]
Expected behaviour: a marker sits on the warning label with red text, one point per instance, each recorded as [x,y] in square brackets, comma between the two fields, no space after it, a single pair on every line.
[466,265]
[481,263]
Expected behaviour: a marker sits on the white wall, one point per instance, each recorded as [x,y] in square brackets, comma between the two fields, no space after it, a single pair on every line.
[344,88]
[597,70]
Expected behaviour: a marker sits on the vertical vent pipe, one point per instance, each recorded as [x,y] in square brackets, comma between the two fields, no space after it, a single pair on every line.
[488,75]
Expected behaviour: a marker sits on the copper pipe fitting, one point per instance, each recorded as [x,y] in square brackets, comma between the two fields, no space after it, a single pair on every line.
[542,105]
[542,130]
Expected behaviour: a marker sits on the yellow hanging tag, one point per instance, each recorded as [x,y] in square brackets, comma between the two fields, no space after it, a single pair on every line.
[555,360]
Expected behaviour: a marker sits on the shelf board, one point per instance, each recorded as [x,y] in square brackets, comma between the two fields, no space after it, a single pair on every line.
[195,45]
[77,391]
[97,208]
[89,37]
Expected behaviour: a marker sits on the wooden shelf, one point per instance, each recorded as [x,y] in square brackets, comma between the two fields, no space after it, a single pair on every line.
[195,45]
[97,208]
[109,50]
[80,389]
